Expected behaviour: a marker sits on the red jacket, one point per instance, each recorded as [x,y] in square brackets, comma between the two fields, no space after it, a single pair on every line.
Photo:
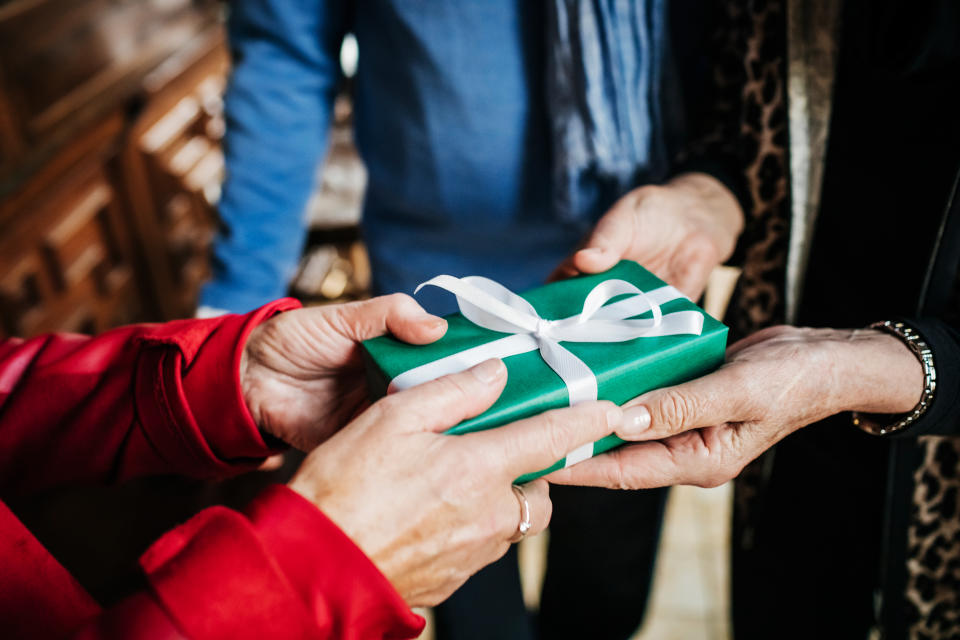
[166,398]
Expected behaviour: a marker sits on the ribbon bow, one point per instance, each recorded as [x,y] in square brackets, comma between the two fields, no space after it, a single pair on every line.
[490,305]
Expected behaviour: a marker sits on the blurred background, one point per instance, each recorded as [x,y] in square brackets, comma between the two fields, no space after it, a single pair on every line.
[110,171]
[110,166]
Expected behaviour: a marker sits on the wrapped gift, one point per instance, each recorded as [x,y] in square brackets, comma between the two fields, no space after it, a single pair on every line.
[609,336]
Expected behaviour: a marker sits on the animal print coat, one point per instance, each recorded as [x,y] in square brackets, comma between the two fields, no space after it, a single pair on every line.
[751,125]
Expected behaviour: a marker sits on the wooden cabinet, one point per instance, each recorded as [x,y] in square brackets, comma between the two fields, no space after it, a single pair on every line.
[174,168]
[63,61]
[109,169]
[68,266]
[109,160]
[66,250]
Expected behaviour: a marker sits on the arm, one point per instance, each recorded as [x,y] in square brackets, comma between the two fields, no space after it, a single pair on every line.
[280,569]
[132,401]
[191,396]
[774,382]
[175,397]
[278,110]
[682,229]
[709,47]
[414,508]
[404,504]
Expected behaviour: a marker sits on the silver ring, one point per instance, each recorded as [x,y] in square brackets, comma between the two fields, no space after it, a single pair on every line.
[524,527]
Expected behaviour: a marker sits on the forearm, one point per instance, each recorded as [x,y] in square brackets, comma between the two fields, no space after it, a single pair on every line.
[877,373]
[774,382]
[278,109]
[874,372]
[941,416]
[137,400]
[280,569]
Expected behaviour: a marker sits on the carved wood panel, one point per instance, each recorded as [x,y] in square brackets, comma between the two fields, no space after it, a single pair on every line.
[174,167]
[110,166]
[99,228]
[61,57]
[10,140]
[65,264]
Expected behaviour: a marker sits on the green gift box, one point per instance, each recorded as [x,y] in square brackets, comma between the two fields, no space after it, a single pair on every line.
[584,326]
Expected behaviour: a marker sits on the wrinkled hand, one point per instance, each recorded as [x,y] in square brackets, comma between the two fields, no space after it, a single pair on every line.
[679,231]
[432,509]
[776,381]
[302,373]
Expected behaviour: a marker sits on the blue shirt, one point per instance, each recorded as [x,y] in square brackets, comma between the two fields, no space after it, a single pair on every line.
[450,121]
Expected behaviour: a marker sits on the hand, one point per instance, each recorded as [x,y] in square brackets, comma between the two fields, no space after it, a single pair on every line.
[679,231]
[432,509]
[302,373]
[776,381]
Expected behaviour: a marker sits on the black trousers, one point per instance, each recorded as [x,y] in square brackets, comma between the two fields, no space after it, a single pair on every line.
[807,564]
[599,569]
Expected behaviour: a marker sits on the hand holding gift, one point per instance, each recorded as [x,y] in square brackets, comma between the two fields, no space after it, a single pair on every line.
[428,509]
[774,382]
[302,374]
[680,231]
[605,336]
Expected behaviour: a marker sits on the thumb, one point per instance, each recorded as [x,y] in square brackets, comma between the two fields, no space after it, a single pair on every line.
[447,401]
[398,314]
[715,399]
[606,245]
[609,242]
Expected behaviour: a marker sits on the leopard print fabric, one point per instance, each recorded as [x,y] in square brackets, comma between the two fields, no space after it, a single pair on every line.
[747,123]
[750,80]
[751,126]
[932,592]
[758,38]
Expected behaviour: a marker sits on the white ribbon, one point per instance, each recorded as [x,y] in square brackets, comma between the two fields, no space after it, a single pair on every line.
[490,305]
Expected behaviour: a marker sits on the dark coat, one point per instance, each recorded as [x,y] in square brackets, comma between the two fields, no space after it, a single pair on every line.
[838,532]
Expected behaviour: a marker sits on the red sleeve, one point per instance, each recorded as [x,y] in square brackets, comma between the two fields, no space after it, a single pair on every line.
[162,398]
[282,570]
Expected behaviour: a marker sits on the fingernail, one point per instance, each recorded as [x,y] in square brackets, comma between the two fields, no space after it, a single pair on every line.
[614,417]
[488,371]
[593,253]
[636,420]
[437,324]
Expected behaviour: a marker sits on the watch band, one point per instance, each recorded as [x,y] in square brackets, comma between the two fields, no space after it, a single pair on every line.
[871,423]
